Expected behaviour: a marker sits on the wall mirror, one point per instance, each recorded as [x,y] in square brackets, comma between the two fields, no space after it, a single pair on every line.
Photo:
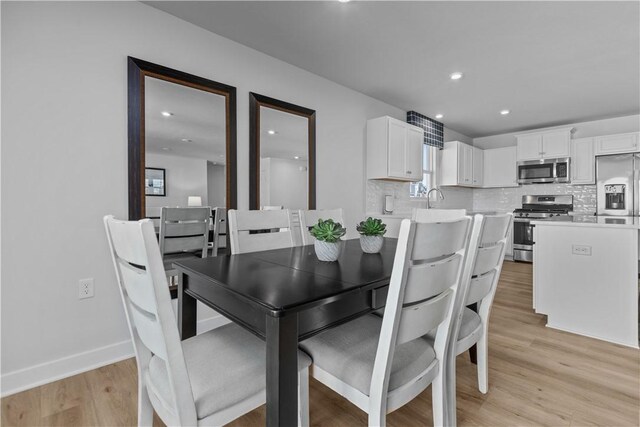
[185,126]
[282,154]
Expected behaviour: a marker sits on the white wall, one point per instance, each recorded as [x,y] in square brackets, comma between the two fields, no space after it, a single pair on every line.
[184,177]
[583,130]
[284,183]
[216,185]
[64,129]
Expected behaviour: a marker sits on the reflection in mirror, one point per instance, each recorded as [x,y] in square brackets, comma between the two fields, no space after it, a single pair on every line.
[282,155]
[185,135]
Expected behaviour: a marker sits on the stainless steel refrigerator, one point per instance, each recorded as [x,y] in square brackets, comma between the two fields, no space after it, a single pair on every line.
[618,184]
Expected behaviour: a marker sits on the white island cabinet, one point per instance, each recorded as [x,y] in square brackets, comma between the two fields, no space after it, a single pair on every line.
[585,276]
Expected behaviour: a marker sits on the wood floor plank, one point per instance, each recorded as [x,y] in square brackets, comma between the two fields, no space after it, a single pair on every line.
[538,376]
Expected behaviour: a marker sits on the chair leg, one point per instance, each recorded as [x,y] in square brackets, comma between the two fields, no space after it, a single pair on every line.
[303,397]
[145,409]
[483,361]
[438,397]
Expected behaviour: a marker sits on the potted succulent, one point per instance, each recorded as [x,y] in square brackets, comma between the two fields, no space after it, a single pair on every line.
[371,232]
[327,234]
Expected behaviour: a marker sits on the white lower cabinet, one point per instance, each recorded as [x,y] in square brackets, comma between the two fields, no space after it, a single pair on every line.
[583,162]
[619,143]
[500,167]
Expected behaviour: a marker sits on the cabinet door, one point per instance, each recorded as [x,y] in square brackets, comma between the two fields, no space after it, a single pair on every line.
[621,143]
[556,144]
[529,147]
[500,167]
[582,161]
[478,167]
[413,153]
[465,164]
[397,141]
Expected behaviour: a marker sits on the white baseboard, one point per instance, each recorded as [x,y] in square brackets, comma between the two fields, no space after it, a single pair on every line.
[44,373]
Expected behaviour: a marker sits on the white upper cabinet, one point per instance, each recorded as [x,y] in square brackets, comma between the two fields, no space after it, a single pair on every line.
[620,143]
[457,161]
[583,170]
[544,145]
[500,167]
[394,150]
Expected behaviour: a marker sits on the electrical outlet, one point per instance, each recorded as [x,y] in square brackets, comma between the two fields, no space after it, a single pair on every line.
[85,288]
[581,250]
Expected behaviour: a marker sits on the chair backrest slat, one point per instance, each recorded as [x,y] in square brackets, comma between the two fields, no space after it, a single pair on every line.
[445,238]
[149,331]
[272,230]
[480,287]
[309,218]
[428,279]
[184,244]
[418,319]
[136,281]
[219,227]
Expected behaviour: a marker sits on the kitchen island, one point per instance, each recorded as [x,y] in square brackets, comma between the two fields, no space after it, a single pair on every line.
[585,276]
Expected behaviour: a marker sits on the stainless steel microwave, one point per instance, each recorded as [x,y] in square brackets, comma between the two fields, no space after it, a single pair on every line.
[544,171]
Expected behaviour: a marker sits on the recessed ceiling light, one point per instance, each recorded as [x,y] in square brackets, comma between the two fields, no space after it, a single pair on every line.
[505,112]
[166,148]
[344,1]
[271,132]
[221,155]
[439,116]
[456,76]
[186,140]
[296,157]
[166,114]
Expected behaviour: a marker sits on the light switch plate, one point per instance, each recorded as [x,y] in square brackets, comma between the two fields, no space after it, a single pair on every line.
[581,250]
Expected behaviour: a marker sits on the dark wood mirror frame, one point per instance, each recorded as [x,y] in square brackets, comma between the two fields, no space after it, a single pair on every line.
[255,102]
[137,71]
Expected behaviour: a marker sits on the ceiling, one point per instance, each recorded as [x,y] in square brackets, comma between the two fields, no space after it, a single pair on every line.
[198,117]
[549,63]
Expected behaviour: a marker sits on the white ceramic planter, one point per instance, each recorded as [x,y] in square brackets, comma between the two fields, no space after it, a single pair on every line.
[371,244]
[327,251]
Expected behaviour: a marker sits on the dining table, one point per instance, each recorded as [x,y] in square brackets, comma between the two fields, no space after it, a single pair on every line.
[285,296]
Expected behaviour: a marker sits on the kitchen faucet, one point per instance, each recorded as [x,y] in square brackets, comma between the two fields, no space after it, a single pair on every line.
[429,194]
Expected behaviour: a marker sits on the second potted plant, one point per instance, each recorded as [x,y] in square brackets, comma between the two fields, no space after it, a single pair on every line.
[371,232]
[327,234]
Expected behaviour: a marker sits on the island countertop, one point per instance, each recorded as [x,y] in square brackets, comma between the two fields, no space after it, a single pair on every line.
[632,222]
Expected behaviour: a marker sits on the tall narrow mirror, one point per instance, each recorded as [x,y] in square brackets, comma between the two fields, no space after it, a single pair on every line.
[282,156]
[182,147]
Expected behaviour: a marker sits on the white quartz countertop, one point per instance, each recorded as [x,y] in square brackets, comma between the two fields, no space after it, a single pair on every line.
[632,222]
[408,215]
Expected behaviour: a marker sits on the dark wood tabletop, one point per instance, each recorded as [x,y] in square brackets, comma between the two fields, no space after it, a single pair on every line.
[285,296]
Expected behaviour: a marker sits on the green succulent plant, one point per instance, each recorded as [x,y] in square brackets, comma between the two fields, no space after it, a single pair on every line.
[372,227]
[328,231]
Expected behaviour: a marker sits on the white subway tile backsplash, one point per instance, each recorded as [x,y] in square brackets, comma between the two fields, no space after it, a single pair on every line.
[478,199]
[507,199]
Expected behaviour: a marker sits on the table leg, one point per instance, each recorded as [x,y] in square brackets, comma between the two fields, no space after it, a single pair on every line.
[473,350]
[186,309]
[282,370]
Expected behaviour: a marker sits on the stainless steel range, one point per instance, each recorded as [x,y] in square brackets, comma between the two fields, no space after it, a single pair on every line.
[538,208]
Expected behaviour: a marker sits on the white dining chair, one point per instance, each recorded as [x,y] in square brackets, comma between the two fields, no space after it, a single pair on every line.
[252,231]
[308,218]
[429,215]
[184,234]
[380,364]
[485,273]
[210,379]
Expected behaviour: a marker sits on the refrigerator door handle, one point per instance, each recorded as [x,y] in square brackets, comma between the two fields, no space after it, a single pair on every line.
[636,184]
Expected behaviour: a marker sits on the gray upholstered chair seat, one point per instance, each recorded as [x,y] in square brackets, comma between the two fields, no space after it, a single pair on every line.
[348,352]
[470,330]
[226,366]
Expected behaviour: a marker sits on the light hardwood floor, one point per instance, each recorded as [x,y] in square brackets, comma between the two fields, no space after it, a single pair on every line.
[537,376]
